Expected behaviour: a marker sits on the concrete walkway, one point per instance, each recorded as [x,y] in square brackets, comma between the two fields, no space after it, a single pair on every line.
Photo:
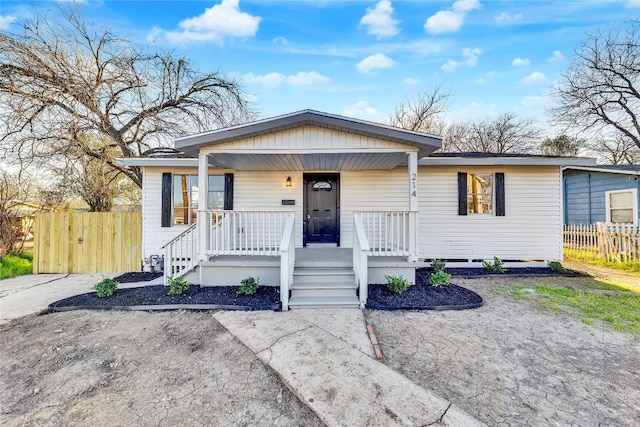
[325,357]
[32,293]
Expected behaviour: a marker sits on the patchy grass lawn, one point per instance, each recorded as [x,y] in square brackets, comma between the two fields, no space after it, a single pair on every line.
[586,258]
[600,302]
[11,265]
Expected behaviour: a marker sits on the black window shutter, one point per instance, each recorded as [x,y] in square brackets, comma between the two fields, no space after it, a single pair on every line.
[166,200]
[500,209]
[228,191]
[462,193]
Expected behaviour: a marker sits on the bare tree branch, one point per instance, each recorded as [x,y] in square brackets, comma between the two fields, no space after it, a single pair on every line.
[424,112]
[63,78]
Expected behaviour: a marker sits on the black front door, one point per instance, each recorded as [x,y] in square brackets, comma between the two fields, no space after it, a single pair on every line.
[321,196]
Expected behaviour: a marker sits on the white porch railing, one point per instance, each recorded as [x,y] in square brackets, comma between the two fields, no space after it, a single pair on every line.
[360,259]
[389,233]
[246,232]
[181,253]
[287,261]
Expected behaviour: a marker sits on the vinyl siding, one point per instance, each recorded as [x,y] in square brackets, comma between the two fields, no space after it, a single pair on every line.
[314,139]
[531,228]
[585,194]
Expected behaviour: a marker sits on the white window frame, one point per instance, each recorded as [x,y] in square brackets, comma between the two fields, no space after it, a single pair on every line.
[634,202]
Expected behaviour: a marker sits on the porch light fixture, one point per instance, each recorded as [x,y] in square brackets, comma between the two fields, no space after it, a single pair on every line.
[288,182]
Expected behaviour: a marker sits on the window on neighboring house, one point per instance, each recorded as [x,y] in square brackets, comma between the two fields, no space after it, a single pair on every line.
[480,193]
[622,206]
[185,197]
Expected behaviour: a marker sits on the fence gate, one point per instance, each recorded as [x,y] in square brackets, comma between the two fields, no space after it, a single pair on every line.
[87,242]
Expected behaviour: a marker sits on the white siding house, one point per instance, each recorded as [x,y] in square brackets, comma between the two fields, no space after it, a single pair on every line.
[307,186]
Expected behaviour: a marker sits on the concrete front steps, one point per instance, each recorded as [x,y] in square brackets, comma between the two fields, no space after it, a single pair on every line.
[324,287]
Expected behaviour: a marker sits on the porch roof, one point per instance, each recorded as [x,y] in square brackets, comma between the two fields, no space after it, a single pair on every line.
[426,143]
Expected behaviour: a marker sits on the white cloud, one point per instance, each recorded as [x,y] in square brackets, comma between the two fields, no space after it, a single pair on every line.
[267,80]
[217,23]
[280,39]
[633,4]
[374,62]
[534,78]
[307,79]
[362,110]
[447,21]
[378,20]
[470,59]
[519,62]
[411,81]
[557,56]
[505,18]
[272,80]
[6,21]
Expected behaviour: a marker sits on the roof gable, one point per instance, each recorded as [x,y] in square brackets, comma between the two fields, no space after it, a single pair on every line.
[425,143]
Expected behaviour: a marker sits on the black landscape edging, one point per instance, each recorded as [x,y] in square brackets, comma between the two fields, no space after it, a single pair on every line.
[164,307]
[432,308]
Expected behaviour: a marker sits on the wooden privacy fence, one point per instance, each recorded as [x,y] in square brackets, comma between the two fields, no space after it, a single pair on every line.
[616,243]
[87,242]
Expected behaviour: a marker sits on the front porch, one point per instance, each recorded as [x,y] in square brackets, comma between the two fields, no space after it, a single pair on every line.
[241,244]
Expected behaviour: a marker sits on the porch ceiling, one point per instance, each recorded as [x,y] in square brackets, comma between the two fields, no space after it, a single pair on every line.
[308,161]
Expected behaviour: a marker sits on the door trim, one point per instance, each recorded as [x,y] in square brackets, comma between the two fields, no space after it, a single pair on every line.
[305,211]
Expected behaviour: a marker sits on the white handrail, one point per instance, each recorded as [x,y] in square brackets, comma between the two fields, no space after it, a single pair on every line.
[389,232]
[245,232]
[180,254]
[360,258]
[287,260]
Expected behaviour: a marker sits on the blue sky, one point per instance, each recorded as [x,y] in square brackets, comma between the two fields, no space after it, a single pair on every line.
[361,58]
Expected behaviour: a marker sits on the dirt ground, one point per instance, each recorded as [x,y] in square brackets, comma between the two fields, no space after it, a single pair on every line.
[137,368]
[512,363]
[507,363]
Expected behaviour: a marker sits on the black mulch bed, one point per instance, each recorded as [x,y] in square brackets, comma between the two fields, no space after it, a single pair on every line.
[423,297]
[137,276]
[479,271]
[267,298]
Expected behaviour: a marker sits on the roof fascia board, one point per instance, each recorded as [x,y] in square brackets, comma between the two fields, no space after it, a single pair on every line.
[157,162]
[502,161]
[604,170]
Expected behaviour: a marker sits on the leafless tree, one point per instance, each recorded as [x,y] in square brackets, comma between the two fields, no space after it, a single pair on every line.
[424,112]
[617,150]
[506,133]
[62,78]
[562,145]
[601,89]
[14,194]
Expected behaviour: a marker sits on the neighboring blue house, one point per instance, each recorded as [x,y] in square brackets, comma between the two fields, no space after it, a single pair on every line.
[603,193]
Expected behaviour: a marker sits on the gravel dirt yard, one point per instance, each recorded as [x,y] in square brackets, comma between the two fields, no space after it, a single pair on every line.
[513,363]
[137,368]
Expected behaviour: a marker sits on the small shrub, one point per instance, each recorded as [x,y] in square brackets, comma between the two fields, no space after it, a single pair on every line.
[12,266]
[177,285]
[397,284]
[440,279]
[497,266]
[557,267]
[106,287]
[248,286]
[26,255]
[438,265]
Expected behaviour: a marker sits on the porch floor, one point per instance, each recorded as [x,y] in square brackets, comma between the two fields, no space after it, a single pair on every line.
[310,257]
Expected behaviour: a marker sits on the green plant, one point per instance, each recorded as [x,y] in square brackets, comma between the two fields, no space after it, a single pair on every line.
[439,279]
[106,287]
[11,265]
[497,266]
[248,286]
[438,265]
[557,267]
[177,285]
[397,284]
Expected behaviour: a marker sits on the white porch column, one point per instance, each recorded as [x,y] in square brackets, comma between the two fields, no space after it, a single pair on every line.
[413,206]
[203,191]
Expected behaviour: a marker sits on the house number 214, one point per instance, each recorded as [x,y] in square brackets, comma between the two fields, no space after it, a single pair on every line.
[414,185]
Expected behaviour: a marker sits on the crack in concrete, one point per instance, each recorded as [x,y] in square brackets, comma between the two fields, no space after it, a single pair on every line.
[439,420]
